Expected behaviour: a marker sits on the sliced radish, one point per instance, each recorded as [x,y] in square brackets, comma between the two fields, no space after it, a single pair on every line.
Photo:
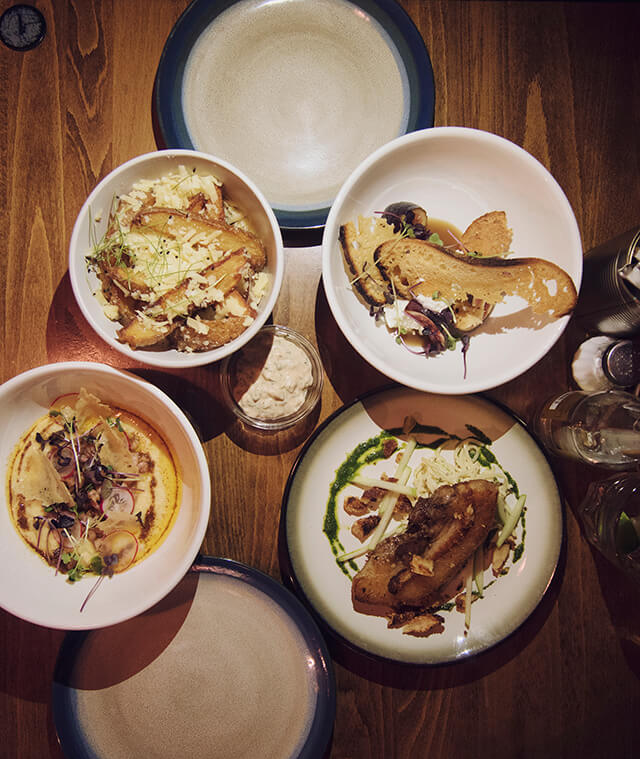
[56,401]
[119,549]
[120,500]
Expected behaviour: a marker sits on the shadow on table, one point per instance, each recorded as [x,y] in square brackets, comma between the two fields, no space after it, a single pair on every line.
[620,592]
[83,662]
[349,374]
[196,390]
[621,595]
[272,442]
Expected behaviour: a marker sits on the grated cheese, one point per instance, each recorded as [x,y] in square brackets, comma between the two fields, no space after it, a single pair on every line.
[444,468]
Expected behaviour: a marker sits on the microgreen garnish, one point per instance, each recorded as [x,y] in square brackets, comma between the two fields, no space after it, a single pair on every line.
[115,422]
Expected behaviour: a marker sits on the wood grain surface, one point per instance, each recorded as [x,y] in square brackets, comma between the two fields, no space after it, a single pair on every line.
[560,79]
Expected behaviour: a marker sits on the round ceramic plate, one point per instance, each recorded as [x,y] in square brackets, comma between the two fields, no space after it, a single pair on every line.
[295,94]
[196,676]
[508,599]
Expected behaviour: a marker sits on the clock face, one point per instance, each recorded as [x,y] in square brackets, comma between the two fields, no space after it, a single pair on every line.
[22,27]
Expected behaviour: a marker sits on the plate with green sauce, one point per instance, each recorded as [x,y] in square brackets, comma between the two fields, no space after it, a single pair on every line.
[440,438]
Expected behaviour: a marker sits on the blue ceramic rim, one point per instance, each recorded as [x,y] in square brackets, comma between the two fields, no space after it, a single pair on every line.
[68,728]
[198,15]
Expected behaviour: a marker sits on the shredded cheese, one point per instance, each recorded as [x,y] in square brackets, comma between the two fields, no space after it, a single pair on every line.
[439,469]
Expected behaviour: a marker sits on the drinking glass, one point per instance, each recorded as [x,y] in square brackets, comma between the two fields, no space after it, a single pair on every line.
[601,428]
[610,515]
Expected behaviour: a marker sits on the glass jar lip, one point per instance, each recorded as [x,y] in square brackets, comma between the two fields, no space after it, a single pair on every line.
[313,392]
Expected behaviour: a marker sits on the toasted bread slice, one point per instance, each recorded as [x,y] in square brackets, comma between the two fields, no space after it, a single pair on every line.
[419,267]
[359,243]
[488,235]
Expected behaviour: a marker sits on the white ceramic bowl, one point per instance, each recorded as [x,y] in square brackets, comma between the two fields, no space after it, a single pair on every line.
[86,230]
[456,174]
[30,589]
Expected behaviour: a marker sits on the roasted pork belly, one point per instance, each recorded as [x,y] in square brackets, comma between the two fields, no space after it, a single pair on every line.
[414,569]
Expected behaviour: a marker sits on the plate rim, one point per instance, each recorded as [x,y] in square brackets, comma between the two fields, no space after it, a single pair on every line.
[298,588]
[171,129]
[68,729]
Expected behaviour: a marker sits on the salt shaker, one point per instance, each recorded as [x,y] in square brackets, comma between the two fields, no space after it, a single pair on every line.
[610,516]
[602,363]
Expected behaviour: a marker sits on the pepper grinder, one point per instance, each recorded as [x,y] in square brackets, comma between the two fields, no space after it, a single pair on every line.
[606,363]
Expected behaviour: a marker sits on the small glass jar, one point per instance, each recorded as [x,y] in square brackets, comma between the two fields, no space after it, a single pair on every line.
[610,515]
[273,396]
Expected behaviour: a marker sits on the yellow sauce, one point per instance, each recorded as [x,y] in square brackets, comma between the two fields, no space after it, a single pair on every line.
[38,491]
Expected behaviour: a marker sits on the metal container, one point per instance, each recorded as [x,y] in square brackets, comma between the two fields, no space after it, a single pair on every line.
[608,303]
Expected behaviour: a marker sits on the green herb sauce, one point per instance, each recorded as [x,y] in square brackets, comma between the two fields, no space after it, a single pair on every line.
[365,453]
[519,549]
[371,450]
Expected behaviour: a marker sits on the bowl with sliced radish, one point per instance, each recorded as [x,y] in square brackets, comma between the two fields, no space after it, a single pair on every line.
[107,495]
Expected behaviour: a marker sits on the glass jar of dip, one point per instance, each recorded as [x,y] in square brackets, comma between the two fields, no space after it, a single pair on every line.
[274,381]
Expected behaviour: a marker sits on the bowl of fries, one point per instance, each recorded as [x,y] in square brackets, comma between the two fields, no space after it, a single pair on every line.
[176,259]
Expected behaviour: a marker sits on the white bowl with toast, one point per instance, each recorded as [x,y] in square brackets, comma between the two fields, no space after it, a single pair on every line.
[451,260]
[176,259]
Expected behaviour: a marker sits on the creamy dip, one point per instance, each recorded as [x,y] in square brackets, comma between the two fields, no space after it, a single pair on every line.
[281,387]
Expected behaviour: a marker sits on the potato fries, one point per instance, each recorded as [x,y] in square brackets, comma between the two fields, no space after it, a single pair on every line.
[179,266]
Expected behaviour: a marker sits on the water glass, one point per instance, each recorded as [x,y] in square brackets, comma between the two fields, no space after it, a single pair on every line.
[610,516]
[601,428]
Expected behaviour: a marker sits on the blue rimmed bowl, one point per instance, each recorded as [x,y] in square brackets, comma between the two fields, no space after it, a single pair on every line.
[295,94]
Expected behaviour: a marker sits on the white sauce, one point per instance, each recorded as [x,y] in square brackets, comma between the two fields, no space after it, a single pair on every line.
[281,387]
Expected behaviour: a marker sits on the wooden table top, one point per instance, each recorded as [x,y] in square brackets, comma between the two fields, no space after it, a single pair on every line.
[560,79]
